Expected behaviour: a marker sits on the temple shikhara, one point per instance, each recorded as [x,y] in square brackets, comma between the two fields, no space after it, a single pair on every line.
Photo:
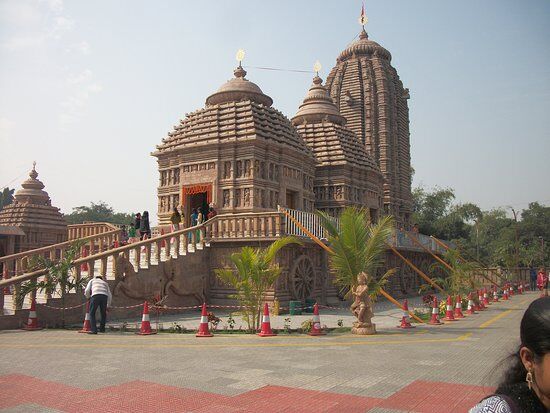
[265,174]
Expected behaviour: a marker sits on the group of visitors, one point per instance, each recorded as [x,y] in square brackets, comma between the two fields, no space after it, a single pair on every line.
[139,229]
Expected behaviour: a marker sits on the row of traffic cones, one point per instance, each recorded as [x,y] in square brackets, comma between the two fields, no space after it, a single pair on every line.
[451,314]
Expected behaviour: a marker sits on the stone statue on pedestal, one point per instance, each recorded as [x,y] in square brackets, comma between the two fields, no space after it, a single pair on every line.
[362,307]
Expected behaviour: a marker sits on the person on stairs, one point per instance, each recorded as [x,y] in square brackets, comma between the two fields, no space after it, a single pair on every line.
[100,297]
[144,227]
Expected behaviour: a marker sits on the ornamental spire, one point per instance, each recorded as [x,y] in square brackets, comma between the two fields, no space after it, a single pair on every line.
[362,21]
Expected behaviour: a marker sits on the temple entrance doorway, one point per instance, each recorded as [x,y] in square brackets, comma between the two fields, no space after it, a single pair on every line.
[195,196]
[199,200]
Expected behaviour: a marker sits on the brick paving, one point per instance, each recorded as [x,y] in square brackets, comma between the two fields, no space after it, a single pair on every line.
[445,368]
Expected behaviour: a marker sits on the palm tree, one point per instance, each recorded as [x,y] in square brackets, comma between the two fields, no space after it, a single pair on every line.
[60,279]
[254,274]
[358,246]
[460,279]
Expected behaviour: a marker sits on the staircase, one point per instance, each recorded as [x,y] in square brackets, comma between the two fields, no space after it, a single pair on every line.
[102,258]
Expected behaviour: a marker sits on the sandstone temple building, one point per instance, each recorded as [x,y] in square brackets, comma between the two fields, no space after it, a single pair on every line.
[348,144]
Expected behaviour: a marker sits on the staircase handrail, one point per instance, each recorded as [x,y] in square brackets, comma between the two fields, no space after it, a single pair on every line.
[60,245]
[96,224]
[105,254]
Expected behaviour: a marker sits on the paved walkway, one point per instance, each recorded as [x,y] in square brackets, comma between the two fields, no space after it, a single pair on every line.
[429,369]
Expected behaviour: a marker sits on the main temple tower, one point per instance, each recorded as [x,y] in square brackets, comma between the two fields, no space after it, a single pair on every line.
[369,94]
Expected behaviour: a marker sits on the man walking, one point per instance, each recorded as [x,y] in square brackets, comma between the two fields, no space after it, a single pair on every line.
[100,297]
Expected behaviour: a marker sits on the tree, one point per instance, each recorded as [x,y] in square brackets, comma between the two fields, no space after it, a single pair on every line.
[460,279]
[6,197]
[358,246]
[60,279]
[100,212]
[254,274]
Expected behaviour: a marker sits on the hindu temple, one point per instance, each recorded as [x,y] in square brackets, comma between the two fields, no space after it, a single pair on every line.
[32,214]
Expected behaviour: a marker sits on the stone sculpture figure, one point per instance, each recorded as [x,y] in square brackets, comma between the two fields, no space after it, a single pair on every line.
[362,307]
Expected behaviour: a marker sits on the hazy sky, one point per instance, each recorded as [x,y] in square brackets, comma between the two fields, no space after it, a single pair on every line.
[88,88]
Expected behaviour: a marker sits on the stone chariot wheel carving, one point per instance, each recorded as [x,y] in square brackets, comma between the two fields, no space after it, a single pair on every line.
[302,278]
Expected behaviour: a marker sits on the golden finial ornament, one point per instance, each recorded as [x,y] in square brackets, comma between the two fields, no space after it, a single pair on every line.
[240,56]
[317,67]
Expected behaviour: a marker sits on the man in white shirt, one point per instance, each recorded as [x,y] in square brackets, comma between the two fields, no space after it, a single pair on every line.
[100,297]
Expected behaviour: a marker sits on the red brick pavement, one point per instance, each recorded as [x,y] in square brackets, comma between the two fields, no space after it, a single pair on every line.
[140,396]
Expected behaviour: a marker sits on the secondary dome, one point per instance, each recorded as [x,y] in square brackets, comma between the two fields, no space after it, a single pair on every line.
[238,89]
[363,46]
[318,105]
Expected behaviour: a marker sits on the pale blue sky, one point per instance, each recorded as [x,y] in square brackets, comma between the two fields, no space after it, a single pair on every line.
[89,88]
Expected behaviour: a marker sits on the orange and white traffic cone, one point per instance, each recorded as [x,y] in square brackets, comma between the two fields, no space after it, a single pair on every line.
[435,314]
[87,326]
[458,308]
[405,320]
[495,294]
[145,329]
[449,316]
[471,308]
[266,324]
[505,293]
[32,322]
[316,330]
[203,327]
[485,298]
[481,307]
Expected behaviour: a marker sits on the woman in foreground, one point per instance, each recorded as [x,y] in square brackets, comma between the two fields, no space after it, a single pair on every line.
[526,384]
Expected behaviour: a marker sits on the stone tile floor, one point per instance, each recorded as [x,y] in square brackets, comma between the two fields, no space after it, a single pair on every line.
[431,368]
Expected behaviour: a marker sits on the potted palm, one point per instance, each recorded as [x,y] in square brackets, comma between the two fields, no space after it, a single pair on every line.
[358,248]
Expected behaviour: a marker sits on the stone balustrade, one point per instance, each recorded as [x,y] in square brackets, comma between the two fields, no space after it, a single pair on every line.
[239,227]
[76,231]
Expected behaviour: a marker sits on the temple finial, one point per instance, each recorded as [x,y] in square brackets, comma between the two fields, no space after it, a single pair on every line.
[363,17]
[317,68]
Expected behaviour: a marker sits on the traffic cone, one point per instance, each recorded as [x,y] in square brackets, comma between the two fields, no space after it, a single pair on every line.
[203,327]
[405,321]
[87,325]
[435,314]
[495,294]
[32,322]
[145,329]
[471,307]
[449,313]
[316,330]
[266,324]
[480,306]
[458,308]
[485,298]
